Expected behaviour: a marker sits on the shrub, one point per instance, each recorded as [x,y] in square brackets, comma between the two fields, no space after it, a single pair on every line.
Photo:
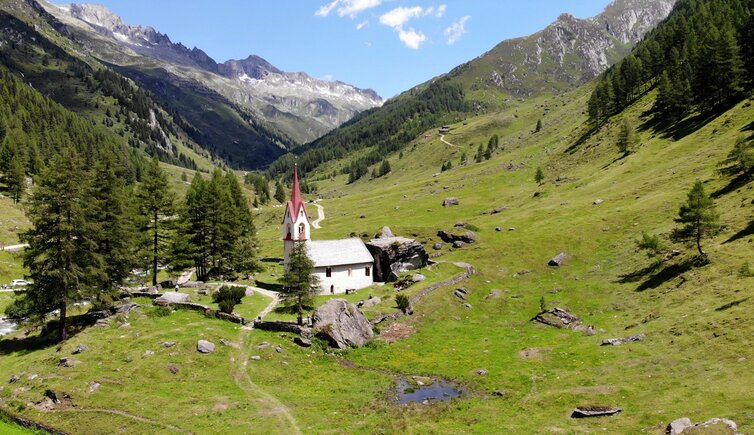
[226,306]
[159,312]
[402,302]
[229,293]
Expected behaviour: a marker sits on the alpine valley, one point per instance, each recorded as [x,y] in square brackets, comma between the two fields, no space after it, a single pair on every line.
[553,237]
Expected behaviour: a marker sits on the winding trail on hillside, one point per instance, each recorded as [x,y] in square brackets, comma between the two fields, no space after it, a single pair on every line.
[270,294]
[128,415]
[442,139]
[185,276]
[320,217]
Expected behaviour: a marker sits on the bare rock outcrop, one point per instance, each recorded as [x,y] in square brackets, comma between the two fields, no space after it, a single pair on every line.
[342,324]
[395,255]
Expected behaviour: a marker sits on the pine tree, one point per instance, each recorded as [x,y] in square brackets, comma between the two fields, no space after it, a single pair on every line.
[627,137]
[299,285]
[15,179]
[538,128]
[539,176]
[726,77]
[280,192]
[384,168]
[698,217]
[479,156]
[156,204]
[116,232]
[62,256]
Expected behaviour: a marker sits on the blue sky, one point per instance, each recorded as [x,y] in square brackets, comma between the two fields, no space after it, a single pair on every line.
[386,45]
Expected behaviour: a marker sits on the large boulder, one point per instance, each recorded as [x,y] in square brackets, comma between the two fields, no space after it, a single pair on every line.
[394,255]
[172,298]
[342,324]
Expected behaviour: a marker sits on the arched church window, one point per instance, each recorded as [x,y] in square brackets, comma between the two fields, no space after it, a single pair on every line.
[289,232]
[301,230]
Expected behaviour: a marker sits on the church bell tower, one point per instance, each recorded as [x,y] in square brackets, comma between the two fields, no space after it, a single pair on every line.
[296,226]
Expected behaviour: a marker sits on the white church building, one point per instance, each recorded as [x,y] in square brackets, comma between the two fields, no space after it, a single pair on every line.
[340,265]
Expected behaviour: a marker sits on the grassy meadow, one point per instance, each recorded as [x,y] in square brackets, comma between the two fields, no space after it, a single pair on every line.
[695,360]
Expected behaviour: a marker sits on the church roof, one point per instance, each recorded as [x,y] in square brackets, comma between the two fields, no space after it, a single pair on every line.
[297,202]
[338,252]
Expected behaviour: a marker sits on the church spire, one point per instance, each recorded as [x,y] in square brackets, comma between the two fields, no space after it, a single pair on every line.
[296,201]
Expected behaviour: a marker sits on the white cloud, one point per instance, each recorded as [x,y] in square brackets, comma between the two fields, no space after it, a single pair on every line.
[362,24]
[441,11]
[456,30]
[349,8]
[399,16]
[411,38]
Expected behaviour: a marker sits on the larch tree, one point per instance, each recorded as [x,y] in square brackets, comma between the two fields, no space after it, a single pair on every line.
[155,205]
[62,257]
[698,218]
[299,285]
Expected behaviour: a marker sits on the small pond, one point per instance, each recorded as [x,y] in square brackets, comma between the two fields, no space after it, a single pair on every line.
[426,390]
[7,326]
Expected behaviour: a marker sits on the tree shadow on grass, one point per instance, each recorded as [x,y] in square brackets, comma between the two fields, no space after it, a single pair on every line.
[734,184]
[581,140]
[748,231]
[47,336]
[657,275]
[272,286]
[673,129]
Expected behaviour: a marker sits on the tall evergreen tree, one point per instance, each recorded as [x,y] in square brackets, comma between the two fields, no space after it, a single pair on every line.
[726,76]
[62,257]
[627,137]
[155,205]
[698,218]
[15,179]
[299,285]
[280,191]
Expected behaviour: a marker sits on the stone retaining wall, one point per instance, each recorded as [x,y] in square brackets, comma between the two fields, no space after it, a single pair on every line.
[29,424]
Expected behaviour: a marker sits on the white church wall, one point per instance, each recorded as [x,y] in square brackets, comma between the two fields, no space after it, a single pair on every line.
[342,278]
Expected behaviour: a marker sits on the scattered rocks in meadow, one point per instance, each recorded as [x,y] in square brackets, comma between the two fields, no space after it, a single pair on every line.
[511,229]
[715,425]
[598,201]
[167,344]
[438,246]
[447,202]
[594,411]
[262,345]
[482,372]
[498,229]
[499,393]
[94,387]
[148,353]
[172,368]
[68,362]
[205,346]
[458,244]
[496,210]
[461,293]
[558,260]
[256,357]
[303,342]
[278,349]
[468,305]
[32,376]
[620,341]
[13,379]
[172,298]
[418,277]
[80,349]
[342,324]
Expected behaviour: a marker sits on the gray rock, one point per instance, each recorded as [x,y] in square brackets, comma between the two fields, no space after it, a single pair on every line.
[256,357]
[262,345]
[594,411]
[94,386]
[450,202]
[458,244]
[303,342]
[385,233]
[342,324]
[125,308]
[460,295]
[68,362]
[481,372]
[598,201]
[172,298]
[13,379]
[192,284]
[453,236]
[79,349]
[677,426]
[278,349]
[460,224]
[468,305]
[148,353]
[498,229]
[172,368]
[558,260]
[395,250]
[205,346]
[167,344]
[369,302]
[438,246]
[418,277]
[619,341]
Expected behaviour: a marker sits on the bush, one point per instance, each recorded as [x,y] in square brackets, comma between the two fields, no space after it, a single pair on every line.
[402,302]
[159,312]
[229,293]
[226,306]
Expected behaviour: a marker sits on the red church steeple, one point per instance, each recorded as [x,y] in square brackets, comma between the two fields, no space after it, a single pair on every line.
[296,203]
